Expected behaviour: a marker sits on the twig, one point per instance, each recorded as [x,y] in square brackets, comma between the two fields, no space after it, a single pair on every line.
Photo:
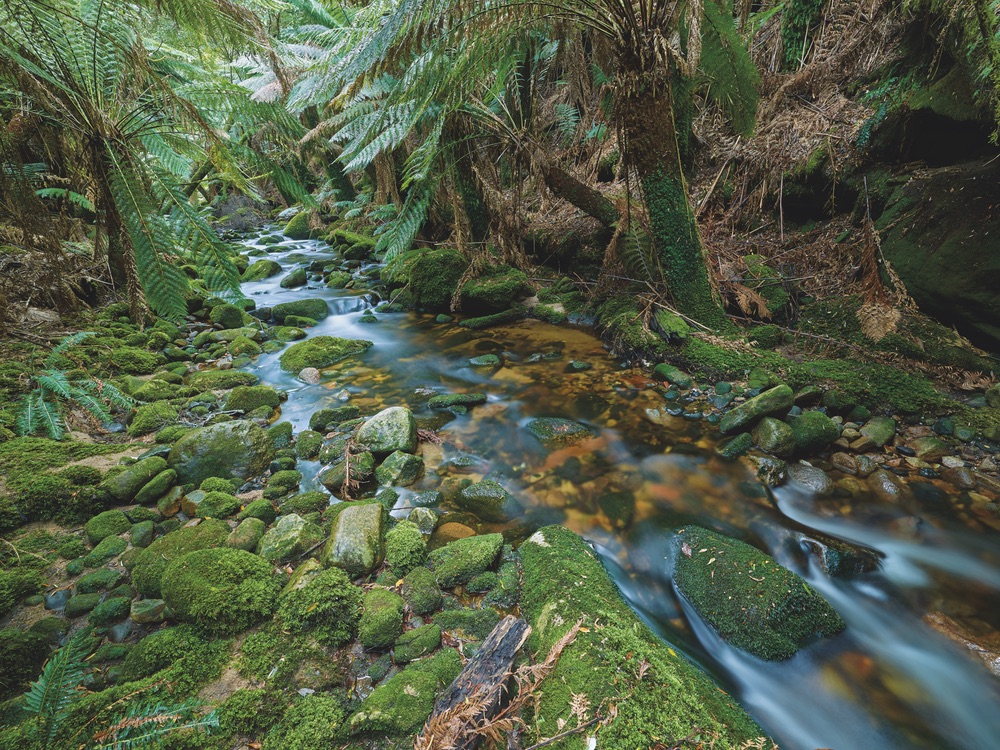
[567,733]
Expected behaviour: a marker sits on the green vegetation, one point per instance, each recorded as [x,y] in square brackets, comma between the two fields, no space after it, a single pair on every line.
[382,621]
[151,562]
[328,605]
[321,351]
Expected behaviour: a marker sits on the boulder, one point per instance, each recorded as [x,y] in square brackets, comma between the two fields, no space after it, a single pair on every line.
[320,351]
[399,469]
[489,502]
[290,538]
[312,307]
[777,400]
[555,432]
[774,436]
[238,449]
[392,429]
[356,542]
[125,485]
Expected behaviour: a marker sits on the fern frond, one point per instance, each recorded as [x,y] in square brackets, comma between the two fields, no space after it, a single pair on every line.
[27,415]
[55,381]
[51,696]
[48,416]
[147,725]
[75,198]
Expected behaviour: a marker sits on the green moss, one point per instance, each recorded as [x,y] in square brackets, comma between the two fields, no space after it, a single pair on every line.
[226,316]
[298,227]
[415,643]
[261,269]
[207,380]
[21,658]
[289,479]
[108,523]
[320,351]
[495,290]
[813,432]
[217,505]
[621,322]
[151,562]
[311,723]
[15,584]
[468,623]
[135,361]
[382,621]
[751,601]
[108,548]
[155,390]
[563,583]
[218,484]
[307,444]
[243,346]
[110,611]
[405,548]
[69,549]
[328,605]
[463,559]
[421,592]
[306,502]
[250,712]
[99,580]
[183,644]
[225,590]
[401,705]
[246,398]
[314,308]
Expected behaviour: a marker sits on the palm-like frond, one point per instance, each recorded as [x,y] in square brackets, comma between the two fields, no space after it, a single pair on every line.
[51,696]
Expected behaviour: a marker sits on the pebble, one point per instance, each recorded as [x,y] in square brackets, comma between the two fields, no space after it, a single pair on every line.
[952,462]
[988,464]
[844,462]
[813,479]
[863,444]
[310,375]
[865,465]
[959,476]
[885,486]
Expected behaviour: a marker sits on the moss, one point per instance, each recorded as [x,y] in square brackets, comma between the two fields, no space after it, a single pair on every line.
[421,592]
[298,227]
[463,559]
[99,580]
[311,723]
[155,390]
[226,316]
[320,351]
[273,654]
[813,432]
[261,269]
[507,591]
[306,502]
[220,379]
[415,643]
[548,314]
[225,590]
[324,420]
[468,623]
[401,705]
[250,712]
[328,605]
[382,621]
[110,611]
[21,658]
[246,398]
[81,604]
[495,290]
[563,583]
[217,484]
[135,361]
[243,346]
[151,562]
[434,275]
[289,479]
[15,584]
[217,505]
[506,317]
[68,549]
[751,601]
[314,308]
[163,649]
[307,444]
[405,548]
[620,320]
[108,523]
[108,548]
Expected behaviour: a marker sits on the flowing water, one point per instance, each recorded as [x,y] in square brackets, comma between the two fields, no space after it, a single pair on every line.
[889,681]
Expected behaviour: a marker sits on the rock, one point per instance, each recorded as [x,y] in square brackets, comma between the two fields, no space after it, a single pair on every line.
[451,400]
[415,643]
[247,535]
[382,620]
[986,649]
[356,542]
[735,447]
[238,449]
[156,487]
[421,592]
[151,562]
[81,604]
[460,561]
[149,611]
[930,448]
[489,501]
[884,486]
[262,269]
[770,471]
[361,466]
[751,601]
[141,534]
[496,290]
[672,375]
[777,400]
[880,430]
[952,462]
[125,485]
[310,375]
[450,532]
[399,469]
[865,466]
[556,432]
[295,279]
[813,432]
[812,479]
[774,436]
[960,477]
[844,462]
[392,429]
[290,538]
[246,398]
[992,396]
[320,351]
[108,523]
[314,308]
[326,419]
[424,519]
[486,361]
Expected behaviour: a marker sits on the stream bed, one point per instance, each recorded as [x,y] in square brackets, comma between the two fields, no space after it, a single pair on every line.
[889,681]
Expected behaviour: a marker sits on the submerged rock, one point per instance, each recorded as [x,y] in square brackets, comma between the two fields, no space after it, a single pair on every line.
[320,351]
[751,601]
[777,400]
[556,432]
[489,501]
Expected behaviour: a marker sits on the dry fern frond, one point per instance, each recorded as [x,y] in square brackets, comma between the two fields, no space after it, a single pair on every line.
[878,320]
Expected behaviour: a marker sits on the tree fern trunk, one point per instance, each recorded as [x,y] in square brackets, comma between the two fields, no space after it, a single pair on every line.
[470,196]
[647,119]
[564,185]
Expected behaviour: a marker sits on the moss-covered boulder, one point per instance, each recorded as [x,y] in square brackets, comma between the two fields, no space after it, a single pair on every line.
[151,417]
[402,705]
[777,400]
[563,583]
[156,487]
[233,450]
[496,290]
[356,543]
[460,561]
[150,563]
[261,269]
[421,592]
[21,658]
[208,380]
[556,432]
[382,619]
[125,485]
[247,535]
[361,467]
[813,431]
[226,316]
[326,604]
[751,601]
[321,351]
[313,308]
[392,429]
[298,227]
[774,436]
[220,589]
[489,501]
[399,469]
[289,539]
[294,279]
[246,398]
[405,548]
[314,722]
[415,643]
[217,505]
[108,523]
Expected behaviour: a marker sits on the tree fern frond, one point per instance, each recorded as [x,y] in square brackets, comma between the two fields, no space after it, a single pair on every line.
[75,198]
[726,62]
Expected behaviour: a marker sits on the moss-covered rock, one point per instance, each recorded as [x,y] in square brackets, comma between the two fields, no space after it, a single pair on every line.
[298,227]
[421,592]
[238,449]
[556,432]
[777,400]
[15,584]
[496,290]
[220,379]
[774,436]
[108,548]
[399,469]
[751,601]
[467,623]
[81,604]
[405,548]
[356,542]
[150,563]
[247,535]
[326,604]
[314,308]
[125,485]
[108,523]
[134,361]
[312,723]
[415,643]
[21,658]
[156,487]
[307,444]
[246,398]
[813,431]
[489,501]
[226,316]
[323,420]
[392,429]
[382,620]
[563,583]
[110,611]
[402,705]
[460,561]
[321,351]
[290,538]
[221,589]
[261,269]
[217,505]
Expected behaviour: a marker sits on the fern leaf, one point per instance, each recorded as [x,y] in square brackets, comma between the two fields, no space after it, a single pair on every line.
[48,416]
[75,198]
[56,690]
[27,415]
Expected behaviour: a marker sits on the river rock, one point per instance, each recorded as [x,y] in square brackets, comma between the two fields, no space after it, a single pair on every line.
[751,600]
[930,448]
[960,477]
[232,450]
[880,430]
[774,436]
[313,307]
[884,486]
[310,375]
[399,469]
[813,431]
[356,542]
[489,501]
[777,400]
[555,432]
[844,462]
[812,479]
[295,279]
[320,351]
[125,485]
[247,535]
[392,429]
[148,611]
[291,537]
[986,649]
[424,519]
[672,375]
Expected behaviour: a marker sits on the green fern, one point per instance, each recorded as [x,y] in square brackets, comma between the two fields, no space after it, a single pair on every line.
[52,695]
[148,725]
[75,198]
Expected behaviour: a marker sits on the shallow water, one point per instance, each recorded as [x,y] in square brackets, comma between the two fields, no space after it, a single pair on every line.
[889,681]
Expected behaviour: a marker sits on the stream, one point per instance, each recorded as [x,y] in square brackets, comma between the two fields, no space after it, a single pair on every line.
[889,681]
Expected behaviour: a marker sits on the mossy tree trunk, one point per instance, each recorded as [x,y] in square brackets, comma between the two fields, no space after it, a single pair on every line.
[470,195]
[651,149]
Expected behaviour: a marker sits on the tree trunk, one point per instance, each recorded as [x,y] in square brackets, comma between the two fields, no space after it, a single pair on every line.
[564,185]
[647,118]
